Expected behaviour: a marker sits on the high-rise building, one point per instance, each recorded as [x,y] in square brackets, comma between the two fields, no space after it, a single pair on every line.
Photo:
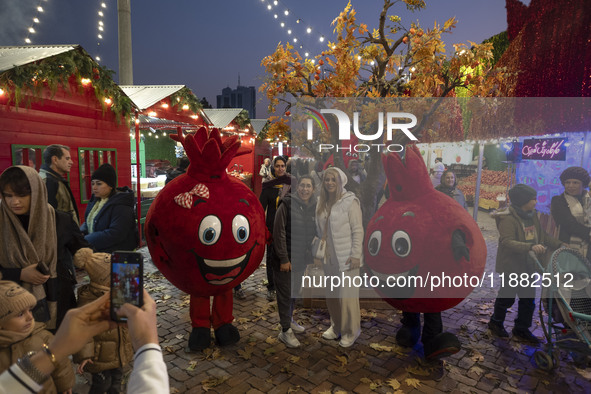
[241,97]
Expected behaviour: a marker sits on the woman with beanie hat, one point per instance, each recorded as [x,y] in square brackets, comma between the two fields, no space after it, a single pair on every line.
[109,219]
[571,210]
[339,222]
[20,334]
[519,233]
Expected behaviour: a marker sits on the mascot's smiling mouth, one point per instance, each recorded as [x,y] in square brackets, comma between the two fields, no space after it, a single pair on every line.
[220,272]
[390,288]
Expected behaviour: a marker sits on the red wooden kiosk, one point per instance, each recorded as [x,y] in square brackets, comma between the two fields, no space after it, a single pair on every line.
[37,112]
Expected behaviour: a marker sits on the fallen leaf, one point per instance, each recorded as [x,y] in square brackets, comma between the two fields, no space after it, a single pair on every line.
[180,336]
[477,370]
[365,380]
[269,351]
[417,371]
[286,369]
[411,382]
[245,353]
[242,320]
[375,385]
[516,347]
[342,359]
[337,369]
[477,356]
[167,297]
[514,371]
[294,359]
[192,366]
[492,376]
[271,340]
[210,383]
[293,389]
[380,348]
[394,383]
[169,349]
[174,390]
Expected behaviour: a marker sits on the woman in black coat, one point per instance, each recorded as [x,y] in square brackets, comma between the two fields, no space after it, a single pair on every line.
[109,219]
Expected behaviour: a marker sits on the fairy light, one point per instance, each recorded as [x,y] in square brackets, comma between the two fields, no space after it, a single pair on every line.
[100,29]
[303,28]
[35,21]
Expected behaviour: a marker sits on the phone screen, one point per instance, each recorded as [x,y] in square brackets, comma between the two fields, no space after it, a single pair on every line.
[127,285]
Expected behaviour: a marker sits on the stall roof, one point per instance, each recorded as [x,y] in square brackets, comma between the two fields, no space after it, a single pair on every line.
[12,56]
[258,124]
[222,117]
[144,96]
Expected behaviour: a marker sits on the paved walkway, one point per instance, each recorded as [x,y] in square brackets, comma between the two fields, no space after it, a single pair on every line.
[261,363]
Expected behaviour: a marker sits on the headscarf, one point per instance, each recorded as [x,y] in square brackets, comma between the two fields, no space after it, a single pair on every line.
[20,248]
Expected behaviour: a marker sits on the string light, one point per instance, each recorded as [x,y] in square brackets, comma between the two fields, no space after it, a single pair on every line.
[306,29]
[100,29]
[31,29]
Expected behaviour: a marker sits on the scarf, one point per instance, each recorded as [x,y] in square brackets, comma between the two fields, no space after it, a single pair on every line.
[8,338]
[20,248]
[93,212]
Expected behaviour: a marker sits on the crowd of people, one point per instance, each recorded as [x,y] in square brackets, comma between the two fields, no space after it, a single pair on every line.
[42,322]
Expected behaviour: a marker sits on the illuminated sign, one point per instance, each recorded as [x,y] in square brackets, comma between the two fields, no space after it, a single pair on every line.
[544,149]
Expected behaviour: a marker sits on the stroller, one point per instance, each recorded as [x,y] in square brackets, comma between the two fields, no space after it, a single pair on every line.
[566,296]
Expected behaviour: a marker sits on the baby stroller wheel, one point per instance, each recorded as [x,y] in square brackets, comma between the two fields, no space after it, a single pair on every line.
[543,360]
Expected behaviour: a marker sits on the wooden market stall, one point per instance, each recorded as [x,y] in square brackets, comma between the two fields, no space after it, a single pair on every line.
[161,108]
[59,95]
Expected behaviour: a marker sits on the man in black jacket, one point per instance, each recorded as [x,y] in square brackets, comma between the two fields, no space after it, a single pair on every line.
[57,163]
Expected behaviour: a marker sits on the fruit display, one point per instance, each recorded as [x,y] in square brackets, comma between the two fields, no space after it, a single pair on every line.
[493,184]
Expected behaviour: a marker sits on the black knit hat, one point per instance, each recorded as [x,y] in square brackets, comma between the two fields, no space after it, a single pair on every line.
[578,173]
[521,195]
[107,174]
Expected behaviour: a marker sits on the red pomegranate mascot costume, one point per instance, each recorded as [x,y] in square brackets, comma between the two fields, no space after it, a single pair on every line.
[206,233]
[420,232]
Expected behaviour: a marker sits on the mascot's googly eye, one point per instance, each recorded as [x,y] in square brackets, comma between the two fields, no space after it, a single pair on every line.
[401,243]
[240,228]
[374,243]
[210,230]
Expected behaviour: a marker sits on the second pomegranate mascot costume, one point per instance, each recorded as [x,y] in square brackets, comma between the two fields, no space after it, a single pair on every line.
[206,234]
[420,239]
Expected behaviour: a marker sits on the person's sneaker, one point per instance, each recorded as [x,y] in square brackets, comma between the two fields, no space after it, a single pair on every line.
[271,295]
[240,294]
[289,339]
[525,335]
[330,334]
[349,340]
[497,330]
[297,328]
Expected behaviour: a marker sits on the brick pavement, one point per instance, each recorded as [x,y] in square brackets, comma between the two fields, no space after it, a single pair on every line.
[261,363]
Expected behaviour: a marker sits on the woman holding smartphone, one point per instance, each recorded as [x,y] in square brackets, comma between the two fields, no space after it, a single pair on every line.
[34,240]
[109,223]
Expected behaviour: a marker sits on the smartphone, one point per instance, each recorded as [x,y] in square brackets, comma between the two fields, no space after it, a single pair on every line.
[127,281]
[43,268]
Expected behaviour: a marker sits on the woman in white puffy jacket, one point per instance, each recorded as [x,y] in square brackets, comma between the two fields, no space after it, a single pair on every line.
[339,222]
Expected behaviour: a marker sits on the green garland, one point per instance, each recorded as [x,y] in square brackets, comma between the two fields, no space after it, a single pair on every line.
[242,119]
[185,97]
[29,81]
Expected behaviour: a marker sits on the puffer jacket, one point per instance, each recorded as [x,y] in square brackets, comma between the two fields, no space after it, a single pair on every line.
[62,378]
[114,225]
[512,253]
[108,350]
[346,230]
